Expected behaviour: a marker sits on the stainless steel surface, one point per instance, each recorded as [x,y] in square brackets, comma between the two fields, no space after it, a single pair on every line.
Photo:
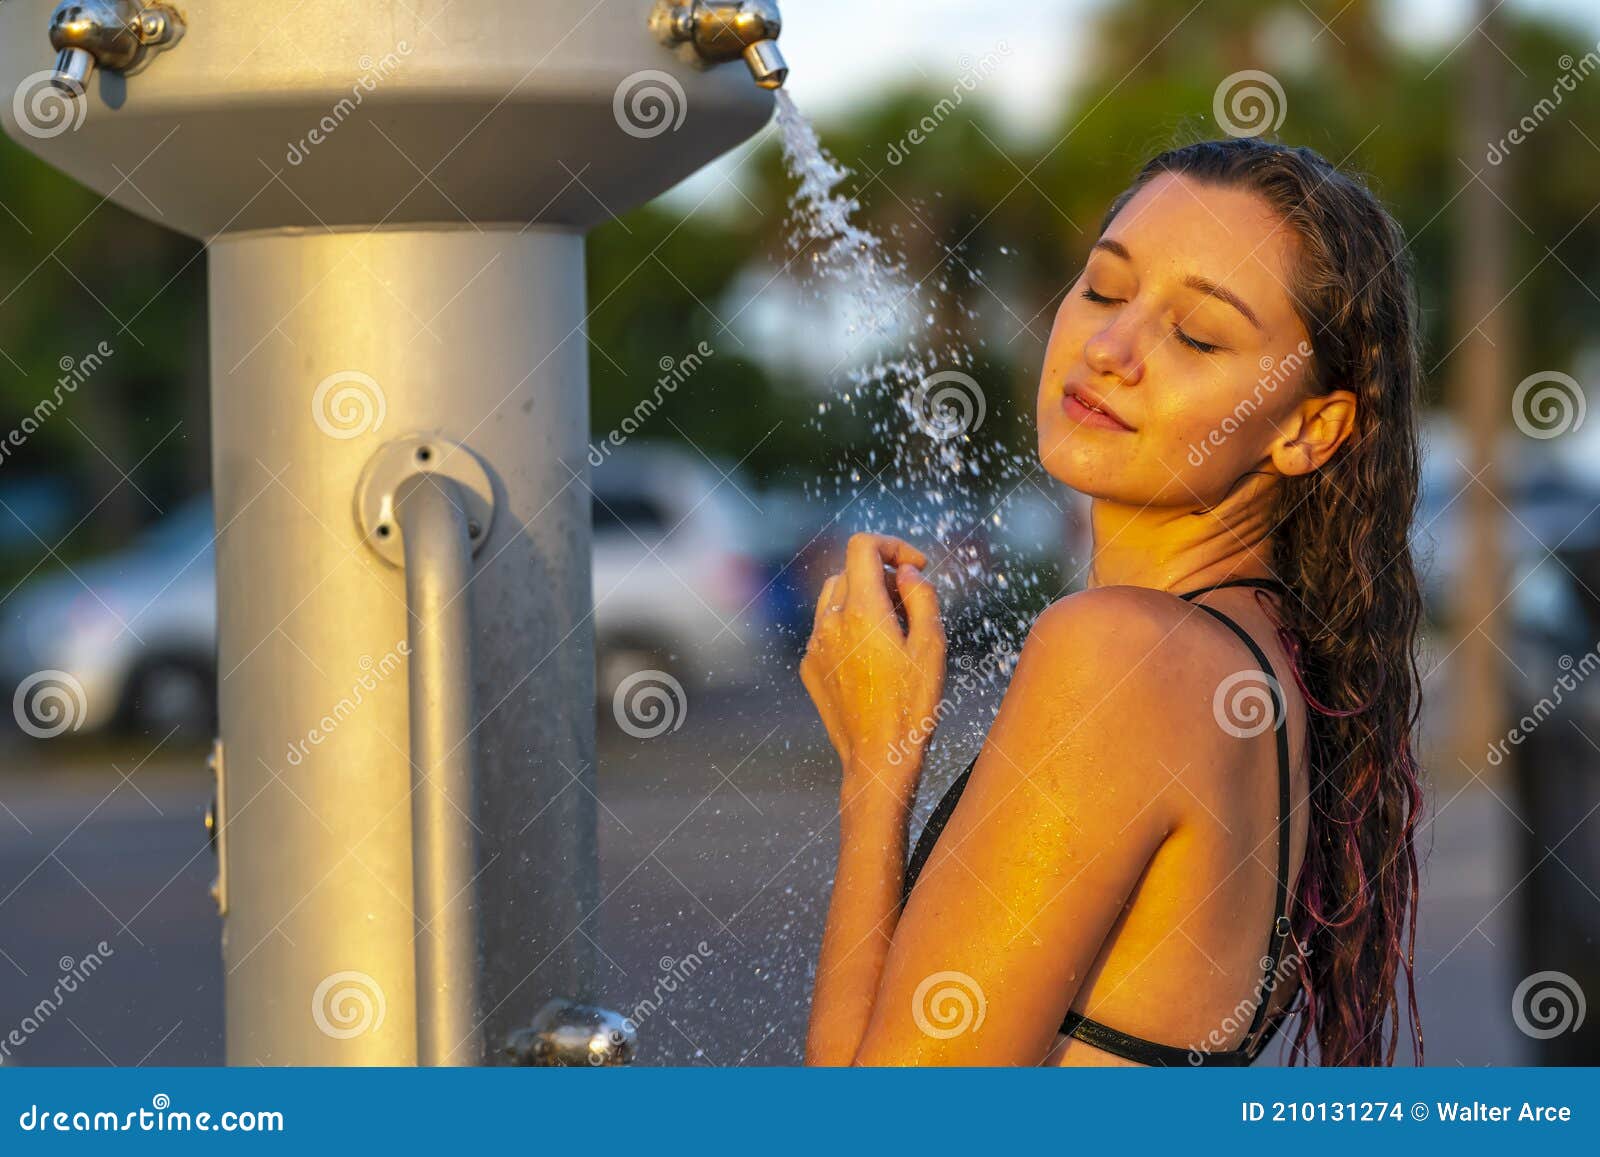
[319,835]
[113,34]
[383,111]
[567,1033]
[431,519]
[715,31]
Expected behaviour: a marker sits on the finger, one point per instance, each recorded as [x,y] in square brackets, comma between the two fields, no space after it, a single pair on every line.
[825,598]
[865,558]
[890,551]
[921,599]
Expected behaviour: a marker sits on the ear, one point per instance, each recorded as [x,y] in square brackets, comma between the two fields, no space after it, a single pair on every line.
[1314,432]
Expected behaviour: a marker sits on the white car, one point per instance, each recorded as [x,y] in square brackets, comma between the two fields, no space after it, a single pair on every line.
[130,639]
[677,583]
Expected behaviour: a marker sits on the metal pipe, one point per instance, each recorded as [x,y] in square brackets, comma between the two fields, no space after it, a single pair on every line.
[431,515]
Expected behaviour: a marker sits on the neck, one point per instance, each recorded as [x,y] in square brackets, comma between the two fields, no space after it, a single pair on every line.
[1176,550]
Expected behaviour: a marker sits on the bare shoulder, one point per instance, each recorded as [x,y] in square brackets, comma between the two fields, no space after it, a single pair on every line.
[1123,678]
[1132,635]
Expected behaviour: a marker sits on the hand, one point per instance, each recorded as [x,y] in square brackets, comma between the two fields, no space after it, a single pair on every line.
[876,685]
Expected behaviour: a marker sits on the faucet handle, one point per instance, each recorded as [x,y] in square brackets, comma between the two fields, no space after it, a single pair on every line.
[110,33]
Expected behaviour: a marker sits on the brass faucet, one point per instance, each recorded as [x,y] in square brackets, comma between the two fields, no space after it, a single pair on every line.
[110,33]
[720,30]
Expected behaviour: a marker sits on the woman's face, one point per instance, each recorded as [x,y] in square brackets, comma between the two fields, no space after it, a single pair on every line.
[1177,356]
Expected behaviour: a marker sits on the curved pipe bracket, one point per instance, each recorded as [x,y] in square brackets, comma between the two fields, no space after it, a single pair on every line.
[377,492]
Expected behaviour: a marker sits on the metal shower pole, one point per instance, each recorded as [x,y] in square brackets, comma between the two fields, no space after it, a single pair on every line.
[395,203]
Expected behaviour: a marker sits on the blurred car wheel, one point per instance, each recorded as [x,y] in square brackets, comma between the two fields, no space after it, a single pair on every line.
[173,696]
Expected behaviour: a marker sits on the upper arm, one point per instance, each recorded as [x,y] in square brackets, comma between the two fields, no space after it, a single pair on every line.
[1076,788]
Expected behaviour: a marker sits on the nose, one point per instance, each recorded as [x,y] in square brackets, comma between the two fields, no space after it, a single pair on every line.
[1117,350]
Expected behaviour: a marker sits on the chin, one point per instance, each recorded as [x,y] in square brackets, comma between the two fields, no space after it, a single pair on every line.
[1087,460]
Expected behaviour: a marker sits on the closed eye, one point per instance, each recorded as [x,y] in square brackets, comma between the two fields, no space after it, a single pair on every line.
[1204,347]
[1195,344]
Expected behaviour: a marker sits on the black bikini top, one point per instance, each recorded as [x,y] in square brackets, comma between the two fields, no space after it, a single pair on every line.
[1102,1036]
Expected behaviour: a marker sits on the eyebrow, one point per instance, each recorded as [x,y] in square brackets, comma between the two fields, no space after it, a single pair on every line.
[1194,281]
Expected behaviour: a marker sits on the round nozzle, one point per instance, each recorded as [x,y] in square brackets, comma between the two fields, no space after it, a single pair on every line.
[73,69]
[767,64]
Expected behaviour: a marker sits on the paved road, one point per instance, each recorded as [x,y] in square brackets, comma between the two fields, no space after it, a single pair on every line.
[716,844]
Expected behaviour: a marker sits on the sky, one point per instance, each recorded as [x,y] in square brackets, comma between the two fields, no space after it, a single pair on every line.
[1039,42]
[829,70]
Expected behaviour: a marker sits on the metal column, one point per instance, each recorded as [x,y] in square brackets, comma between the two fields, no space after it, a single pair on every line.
[325,346]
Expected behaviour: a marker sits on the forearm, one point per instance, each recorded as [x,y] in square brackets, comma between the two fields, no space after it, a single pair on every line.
[862,915]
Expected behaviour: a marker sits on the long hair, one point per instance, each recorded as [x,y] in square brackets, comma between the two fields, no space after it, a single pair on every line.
[1341,543]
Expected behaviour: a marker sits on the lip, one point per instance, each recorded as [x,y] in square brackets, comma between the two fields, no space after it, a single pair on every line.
[1088,408]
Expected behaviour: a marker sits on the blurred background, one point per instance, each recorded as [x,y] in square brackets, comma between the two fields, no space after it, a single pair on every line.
[984,147]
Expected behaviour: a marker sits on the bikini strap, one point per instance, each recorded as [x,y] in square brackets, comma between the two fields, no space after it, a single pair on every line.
[1280,924]
[1266,584]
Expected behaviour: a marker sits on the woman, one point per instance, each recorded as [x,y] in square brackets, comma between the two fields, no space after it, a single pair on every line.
[1193,815]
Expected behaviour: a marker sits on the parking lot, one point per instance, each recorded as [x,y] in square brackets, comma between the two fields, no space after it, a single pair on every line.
[717,844]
